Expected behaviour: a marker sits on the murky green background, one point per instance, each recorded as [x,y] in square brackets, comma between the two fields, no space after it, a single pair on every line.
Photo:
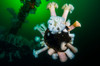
[86,12]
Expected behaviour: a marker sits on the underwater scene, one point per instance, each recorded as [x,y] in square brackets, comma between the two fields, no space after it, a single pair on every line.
[49,32]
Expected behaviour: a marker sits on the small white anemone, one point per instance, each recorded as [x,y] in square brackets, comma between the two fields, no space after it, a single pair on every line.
[56,24]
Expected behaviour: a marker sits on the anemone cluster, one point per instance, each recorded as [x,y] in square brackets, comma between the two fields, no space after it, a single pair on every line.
[57,37]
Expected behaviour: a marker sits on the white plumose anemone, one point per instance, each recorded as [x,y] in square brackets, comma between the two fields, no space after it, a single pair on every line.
[56,24]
